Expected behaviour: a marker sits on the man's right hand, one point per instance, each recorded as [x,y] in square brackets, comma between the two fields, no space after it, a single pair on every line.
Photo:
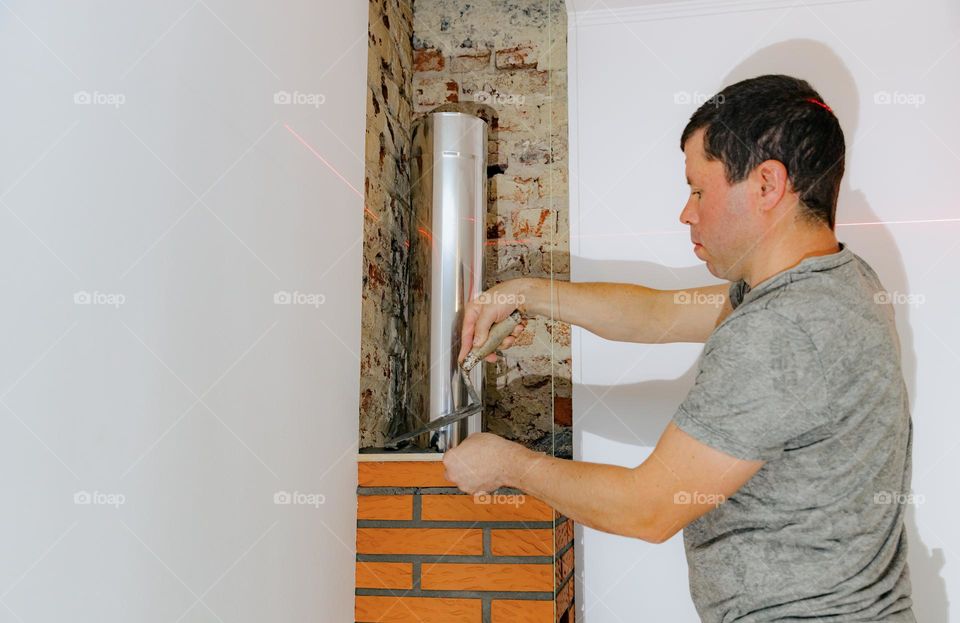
[489,308]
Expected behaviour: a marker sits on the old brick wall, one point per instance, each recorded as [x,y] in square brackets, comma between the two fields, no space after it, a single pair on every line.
[384,310]
[509,58]
[510,55]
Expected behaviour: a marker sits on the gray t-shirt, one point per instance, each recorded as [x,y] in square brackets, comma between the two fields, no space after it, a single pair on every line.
[805,375]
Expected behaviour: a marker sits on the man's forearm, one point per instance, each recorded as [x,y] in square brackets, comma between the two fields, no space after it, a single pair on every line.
[614,311]
[605,497]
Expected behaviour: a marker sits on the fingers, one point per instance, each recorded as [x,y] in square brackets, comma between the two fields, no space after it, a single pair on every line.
[485,319]
[507,342]
[478,318]
[466,332]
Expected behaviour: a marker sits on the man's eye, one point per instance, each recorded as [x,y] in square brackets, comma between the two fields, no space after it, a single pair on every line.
[698,193]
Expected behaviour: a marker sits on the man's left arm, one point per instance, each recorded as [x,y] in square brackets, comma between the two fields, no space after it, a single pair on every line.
[681,480]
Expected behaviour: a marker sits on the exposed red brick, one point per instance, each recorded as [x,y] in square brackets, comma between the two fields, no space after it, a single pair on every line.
[562,411]
[431,90]
[530,221]
[476,60]
[429,59]
[517,57]
[375,275]
[514,188]
[496,230]
[366,396]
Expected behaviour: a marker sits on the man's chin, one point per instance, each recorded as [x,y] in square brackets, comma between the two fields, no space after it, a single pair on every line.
[701,255]
[714,270]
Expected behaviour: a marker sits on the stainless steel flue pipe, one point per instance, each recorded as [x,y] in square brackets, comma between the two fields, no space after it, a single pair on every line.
[449,197]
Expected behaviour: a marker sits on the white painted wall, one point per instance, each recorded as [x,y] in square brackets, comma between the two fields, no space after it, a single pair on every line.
[144,161]
[635,77]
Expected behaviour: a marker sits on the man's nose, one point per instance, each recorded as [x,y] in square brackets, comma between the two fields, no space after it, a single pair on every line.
[688,215]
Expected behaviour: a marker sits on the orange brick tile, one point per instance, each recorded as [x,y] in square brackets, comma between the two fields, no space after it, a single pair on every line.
[521,611]
[384,575]
[377,609]
[564,566]
[467,508]
[459,541]
[402,474]
[486,577]
[522,542]
[565,598]
[563,534]
[384,507]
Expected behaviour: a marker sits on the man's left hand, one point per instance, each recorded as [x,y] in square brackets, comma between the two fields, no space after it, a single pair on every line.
[482,463]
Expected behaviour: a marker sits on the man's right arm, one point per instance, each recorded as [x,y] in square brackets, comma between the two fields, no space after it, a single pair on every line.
[630,313]
[614,311]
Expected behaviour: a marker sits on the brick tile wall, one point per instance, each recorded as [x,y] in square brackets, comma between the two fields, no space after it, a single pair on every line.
[427,552]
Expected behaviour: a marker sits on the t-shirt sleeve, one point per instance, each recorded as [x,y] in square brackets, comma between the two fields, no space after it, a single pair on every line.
[760,384]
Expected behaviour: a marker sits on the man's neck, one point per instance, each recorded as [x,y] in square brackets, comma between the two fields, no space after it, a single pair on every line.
[779,257]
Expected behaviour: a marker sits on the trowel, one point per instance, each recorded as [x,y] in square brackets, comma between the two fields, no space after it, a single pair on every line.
[498,332]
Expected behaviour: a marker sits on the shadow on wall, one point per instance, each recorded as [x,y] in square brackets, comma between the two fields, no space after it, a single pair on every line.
[874,243]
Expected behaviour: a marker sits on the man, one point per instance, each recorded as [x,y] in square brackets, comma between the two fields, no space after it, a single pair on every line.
[781,463]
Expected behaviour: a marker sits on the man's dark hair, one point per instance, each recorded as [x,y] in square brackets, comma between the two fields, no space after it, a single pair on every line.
[782,118]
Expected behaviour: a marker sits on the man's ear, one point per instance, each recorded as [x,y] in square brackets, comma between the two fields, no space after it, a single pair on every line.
[772,183]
